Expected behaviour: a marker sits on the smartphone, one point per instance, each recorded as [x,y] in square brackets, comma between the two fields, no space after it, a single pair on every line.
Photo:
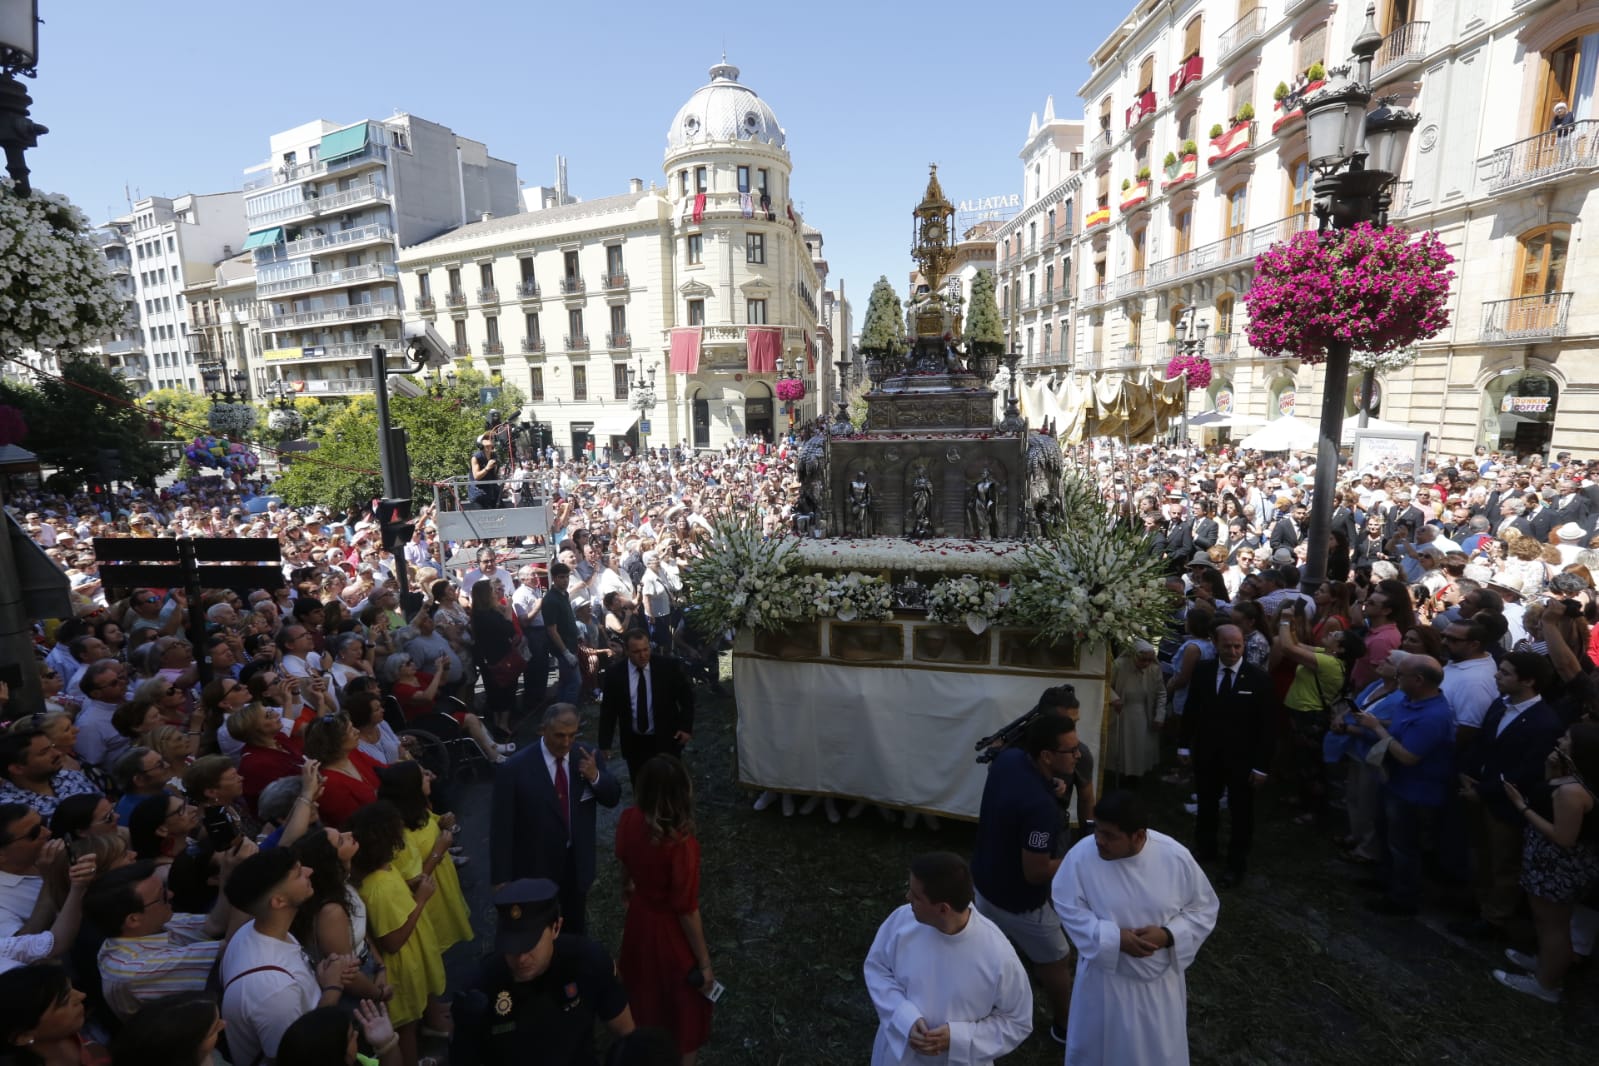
[219,829]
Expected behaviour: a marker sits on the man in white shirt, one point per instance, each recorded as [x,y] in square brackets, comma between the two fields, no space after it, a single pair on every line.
[267,982]
[24,851]
[1469,682]
[488,568]
[946,983]
[104,685]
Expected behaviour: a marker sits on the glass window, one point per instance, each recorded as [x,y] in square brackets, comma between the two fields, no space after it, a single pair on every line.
[580,384]
[696,312]
[574,322]
[744,179]
[531,324]
[694,249]
[755,248]
[536,385]
[1543,261]
[618,381]
[755,312]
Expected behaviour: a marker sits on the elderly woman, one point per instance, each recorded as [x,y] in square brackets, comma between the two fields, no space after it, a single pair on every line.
[1139,706]
[655,596]
[378,739]
[352,657]
[350,775]
[267,754]
[171,700]
[417,692]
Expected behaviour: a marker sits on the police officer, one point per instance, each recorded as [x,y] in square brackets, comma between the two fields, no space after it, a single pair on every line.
[540,993]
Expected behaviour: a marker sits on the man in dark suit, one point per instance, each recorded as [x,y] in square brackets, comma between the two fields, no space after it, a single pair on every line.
[1227,737]
[544,813]
[651,699]
[1518,732]
[1288,530]
[1511,516]
[1403,513]
[1206,532]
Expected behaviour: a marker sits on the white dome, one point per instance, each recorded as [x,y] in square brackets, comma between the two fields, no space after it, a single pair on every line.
[721,111]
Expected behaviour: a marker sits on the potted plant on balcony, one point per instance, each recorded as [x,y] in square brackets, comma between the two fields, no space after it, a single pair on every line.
[1170,163]
[1127,183]
[1216,131]
[1190,148]
[1280,93]
[1143,175]
[1246,113]
[1315,74]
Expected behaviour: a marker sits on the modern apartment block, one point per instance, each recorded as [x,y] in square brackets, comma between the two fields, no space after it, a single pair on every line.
[1033,249]
[224,327]
[328,212]
[1194,164]
[566,300]
[155,252]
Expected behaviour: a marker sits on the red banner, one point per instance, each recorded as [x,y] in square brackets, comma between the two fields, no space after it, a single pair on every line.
[685,350]
[765,345]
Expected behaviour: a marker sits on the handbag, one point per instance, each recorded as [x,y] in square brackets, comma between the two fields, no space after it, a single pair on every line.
[504,671]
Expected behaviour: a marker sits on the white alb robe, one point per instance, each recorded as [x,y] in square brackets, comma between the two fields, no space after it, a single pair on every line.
[1128,1011]
[972,981]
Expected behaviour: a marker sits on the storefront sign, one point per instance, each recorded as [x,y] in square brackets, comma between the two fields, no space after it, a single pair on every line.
[1224,401]
[1525,405]
[1285,402]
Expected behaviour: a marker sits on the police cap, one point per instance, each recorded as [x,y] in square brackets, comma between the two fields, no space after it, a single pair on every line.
[526,908]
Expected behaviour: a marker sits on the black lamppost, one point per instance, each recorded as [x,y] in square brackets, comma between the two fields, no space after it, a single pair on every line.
[19,55]
[443,382]
[1191,343]
[641,394]
[1356,156]
[841,365]
[223,387]
[789,370]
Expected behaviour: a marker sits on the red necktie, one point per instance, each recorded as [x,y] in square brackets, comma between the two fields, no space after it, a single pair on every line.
[562,796]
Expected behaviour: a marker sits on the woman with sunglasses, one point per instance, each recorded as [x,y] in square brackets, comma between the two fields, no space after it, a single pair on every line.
[218,700]
[160,826]
[174,745]
[172,700]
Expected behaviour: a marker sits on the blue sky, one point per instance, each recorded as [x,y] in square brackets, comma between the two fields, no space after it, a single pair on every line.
[163,97]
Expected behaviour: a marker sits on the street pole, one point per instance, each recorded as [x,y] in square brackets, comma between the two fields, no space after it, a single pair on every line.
[1319,535]
[1366,382]
[392,481]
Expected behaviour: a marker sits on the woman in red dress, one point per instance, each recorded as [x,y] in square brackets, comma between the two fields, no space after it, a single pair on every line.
[663,942]
[267,754]
[349,775]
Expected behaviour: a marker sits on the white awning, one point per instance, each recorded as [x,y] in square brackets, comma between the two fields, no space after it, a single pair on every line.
[614,422]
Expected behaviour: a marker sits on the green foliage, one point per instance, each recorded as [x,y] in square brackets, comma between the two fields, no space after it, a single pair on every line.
[1281,92]
[985,334]
[72,419]
[1192,148]
[1216,131]
[1316,72]
[1170,160]
[1127,183]
[182,413]
[1143,173]
[1246,112]
[883,329]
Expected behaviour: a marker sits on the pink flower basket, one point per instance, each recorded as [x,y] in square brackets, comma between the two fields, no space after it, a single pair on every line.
[1197,366]
[1376,290]
[790,390]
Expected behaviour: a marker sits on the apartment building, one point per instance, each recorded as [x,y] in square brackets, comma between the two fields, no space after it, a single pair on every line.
[224,328]
[155,252]
[328,212]
[707,282]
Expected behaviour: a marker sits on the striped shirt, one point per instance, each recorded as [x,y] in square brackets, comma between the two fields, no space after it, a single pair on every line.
[137,969]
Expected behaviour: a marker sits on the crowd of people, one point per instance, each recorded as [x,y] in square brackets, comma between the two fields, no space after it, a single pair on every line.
[1430,707]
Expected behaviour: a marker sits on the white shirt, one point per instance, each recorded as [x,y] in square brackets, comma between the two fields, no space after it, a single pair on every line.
[1469,686]
[98,742]
[971,981]
[473,576]
[633,673]
[295,666]
[528,603]
[260,1007]
[18,894]
[1512,712]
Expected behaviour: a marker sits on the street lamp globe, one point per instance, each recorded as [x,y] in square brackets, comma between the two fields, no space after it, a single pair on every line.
[1388,130]
[1335,119]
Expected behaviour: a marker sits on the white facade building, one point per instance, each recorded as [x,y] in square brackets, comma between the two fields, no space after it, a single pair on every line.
[563,301]
[328,212]
[224,327]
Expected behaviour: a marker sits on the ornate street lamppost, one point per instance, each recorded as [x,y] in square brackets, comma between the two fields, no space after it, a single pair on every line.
[788,370]
[231,414]
[841,422]
[641,395]
[1356,156]
[1012,422]
[19,54]
[1190,343]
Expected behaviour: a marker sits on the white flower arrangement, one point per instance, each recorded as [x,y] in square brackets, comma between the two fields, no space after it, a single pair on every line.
[974,602]
[942,556]
[852,597]
[56,293]
[1386,363]
[230,419]
[744,580]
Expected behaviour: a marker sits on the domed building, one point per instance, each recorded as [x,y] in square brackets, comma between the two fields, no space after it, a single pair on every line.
[710,288]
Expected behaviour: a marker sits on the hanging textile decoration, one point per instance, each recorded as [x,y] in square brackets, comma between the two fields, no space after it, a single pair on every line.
[746,205]
[765,344]
[792,221]
[699,207]
[810,354]
[685,350]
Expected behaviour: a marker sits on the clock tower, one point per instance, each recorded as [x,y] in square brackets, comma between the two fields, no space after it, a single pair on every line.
[932,224]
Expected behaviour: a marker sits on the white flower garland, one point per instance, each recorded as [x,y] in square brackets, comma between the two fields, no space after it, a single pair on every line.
[944,556]
[56,293]
[852,597]
[971,601]
[744,580]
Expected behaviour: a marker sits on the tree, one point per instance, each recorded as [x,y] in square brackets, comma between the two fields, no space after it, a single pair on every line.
[883,331]
[181,413]
[984,333]
[87,426]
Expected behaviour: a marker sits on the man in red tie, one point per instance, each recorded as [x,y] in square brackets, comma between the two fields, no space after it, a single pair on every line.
[545,799]
[651,699]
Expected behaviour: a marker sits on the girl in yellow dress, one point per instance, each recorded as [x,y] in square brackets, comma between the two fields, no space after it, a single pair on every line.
[394,919]
[427,850]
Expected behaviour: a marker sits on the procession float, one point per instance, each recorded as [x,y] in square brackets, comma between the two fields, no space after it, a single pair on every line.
[945,567]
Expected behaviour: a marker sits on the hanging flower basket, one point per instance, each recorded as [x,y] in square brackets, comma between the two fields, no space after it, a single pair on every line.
[1376,290]
[790,390]
[1196,366]
[55,290]
[13,428]
[230,419]
[286,421]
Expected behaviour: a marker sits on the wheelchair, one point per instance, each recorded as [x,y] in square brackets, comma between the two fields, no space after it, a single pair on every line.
[442,745]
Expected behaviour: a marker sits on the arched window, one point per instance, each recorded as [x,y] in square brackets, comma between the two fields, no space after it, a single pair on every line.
[1191,35]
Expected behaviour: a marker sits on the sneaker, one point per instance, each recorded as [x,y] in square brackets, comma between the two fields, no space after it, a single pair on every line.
[765,800]
[788,805]
[1057,1033]
[1527,986]
[810,804]
[1522,960]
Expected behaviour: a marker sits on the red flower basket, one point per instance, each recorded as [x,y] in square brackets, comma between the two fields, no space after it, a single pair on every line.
[790,390]
[1197,366]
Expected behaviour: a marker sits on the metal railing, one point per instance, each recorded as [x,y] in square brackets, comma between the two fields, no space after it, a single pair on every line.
[426,304]
[1404,45]
[329,279]
[372,153]
[1242,33]
[616,281]
[342,239]
[527,290]
[337,386]
[123,346]
[315,204]
[455,300]
[1098,294]
[571,286]
[1098,143]
[1187,74]
[331,316]
[579,343]
[1228,250]
[1544,156]
[532,344]
[493,348]
[1130,282]
[1526,318]
[325,353]
[488,294]
[615,340]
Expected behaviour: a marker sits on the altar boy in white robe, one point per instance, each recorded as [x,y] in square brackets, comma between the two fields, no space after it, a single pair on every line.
[947,985]
[1137,906]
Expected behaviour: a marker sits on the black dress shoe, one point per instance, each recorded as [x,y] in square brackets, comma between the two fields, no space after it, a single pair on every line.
[1386,905]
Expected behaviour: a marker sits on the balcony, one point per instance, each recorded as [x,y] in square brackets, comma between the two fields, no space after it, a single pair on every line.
[318,204]
[328,353]
[1143,106]
[618,341]
[372,153]
[329,279]
[343,239]
[133,368]
[119,265]
[1238,248]
[1241,34]
[1401,50]
[125,346]
[1099,143]
[1098,294]
[1542,158]
[533,345]
[1237,143]
[572,287]
[1135,196]
[1187,75]
[615,281]
[455,301]
[336,386]
[488,295]
[1186,168]
[528,290]
[1526,319]
[426,304]
[1294,7]
[578,343]
[1131,283]
[331,316]
[460,351]
[493,348]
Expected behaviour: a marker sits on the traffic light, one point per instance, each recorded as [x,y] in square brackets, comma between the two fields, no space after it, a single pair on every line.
[394,520]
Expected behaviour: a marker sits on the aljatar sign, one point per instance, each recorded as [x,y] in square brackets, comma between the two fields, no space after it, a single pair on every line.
[986,209]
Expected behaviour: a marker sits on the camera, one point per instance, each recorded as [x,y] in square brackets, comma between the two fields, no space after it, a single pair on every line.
[424,346]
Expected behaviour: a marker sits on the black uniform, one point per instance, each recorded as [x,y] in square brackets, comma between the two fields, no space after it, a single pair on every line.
[549,1020]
